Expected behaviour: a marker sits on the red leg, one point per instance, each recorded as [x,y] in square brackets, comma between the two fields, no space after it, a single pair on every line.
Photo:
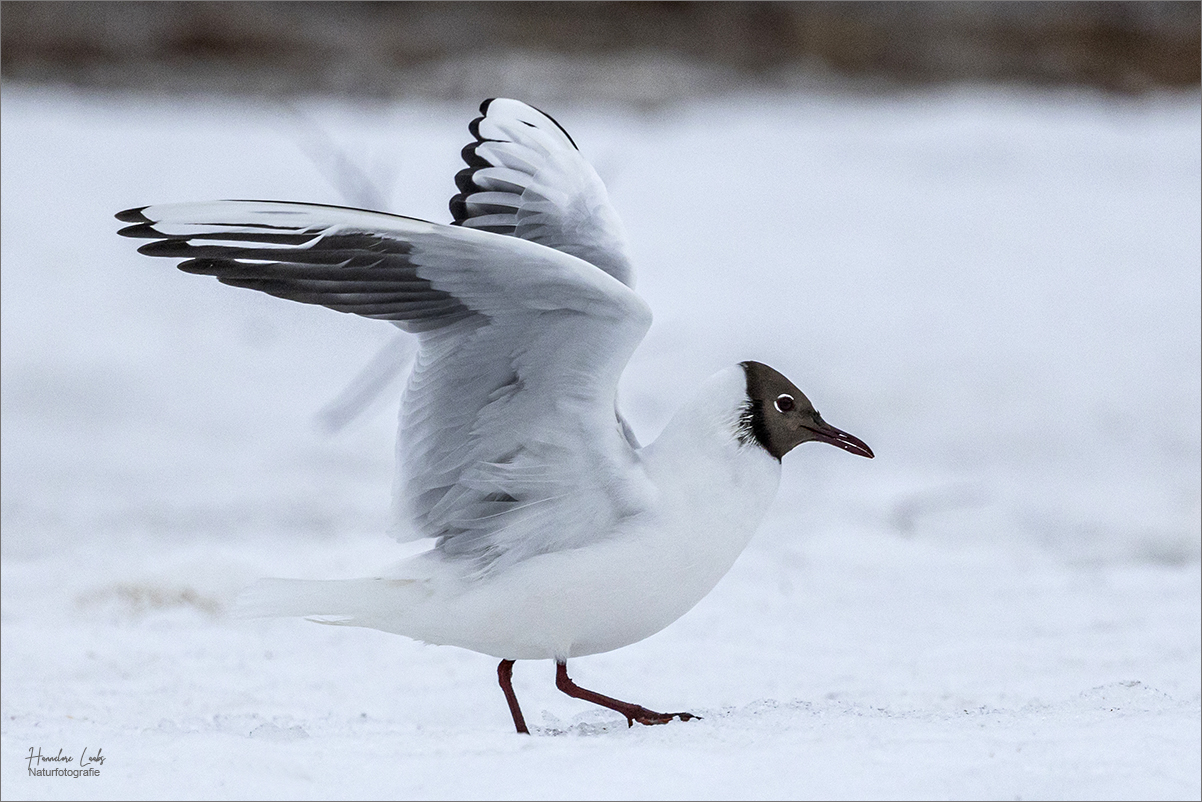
[505,674]
[633,713]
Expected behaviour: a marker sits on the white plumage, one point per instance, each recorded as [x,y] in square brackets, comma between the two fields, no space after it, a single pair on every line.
[555,534]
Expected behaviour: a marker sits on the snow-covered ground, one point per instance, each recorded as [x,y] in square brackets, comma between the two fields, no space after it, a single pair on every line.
[998,291]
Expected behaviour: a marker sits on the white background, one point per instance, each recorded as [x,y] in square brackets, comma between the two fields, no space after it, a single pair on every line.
[998,291]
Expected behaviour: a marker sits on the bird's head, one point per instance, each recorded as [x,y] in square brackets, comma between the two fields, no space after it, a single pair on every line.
[779,417]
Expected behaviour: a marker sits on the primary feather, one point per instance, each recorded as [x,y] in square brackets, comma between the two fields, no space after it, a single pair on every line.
[520,351]
[525,177]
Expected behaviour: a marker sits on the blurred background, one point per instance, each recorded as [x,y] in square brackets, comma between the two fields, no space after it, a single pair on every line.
[1006,190]
[649,53]
[969,231]
[958,168]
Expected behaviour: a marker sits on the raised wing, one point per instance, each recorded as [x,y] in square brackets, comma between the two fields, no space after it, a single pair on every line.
[509,412]
[526,178]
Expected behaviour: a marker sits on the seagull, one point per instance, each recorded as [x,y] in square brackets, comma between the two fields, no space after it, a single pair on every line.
[555,533]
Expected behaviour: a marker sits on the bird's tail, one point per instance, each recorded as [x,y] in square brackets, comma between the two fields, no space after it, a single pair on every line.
[358,602]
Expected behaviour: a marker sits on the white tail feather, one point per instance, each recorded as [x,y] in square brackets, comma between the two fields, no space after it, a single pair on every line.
[346,600]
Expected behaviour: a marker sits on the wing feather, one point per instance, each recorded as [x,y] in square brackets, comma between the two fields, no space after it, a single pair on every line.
[509,410]
[525,177]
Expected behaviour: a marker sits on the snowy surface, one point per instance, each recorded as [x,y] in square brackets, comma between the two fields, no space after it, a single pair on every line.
[999,292]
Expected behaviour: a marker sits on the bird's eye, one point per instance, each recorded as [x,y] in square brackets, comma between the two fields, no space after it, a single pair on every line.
[784,403]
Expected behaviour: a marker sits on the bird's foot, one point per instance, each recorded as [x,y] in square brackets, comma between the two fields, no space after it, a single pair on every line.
[632,712]
[649,717]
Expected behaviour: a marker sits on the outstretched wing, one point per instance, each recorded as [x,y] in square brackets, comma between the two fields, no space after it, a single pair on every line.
[526,178]
[509,412]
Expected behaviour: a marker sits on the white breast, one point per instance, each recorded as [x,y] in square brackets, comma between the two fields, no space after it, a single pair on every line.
[707,494]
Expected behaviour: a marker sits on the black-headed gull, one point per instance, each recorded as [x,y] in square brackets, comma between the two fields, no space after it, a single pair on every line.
[555,534]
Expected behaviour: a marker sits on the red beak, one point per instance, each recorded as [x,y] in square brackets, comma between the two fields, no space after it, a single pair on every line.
[826,433]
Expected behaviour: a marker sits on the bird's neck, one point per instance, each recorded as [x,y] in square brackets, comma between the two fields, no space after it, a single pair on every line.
[712,492]
[700,457]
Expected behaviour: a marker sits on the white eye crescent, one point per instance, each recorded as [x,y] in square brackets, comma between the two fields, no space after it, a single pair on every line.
[784,403]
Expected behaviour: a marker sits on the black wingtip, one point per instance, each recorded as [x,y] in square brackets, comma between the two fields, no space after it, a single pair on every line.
[473,128]
[133,215]
[463,180]
[458,207]
[204,267]
[484,111]
[470,158]
[140,231]
[557,125]
[167,247]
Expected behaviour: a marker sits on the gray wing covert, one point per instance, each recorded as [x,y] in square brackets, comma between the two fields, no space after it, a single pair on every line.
[521,348]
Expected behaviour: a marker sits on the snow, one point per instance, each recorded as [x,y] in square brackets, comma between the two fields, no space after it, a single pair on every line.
[998,291]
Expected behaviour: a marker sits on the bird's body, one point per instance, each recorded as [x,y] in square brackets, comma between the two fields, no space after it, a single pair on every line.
[555,534]
[695,496]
